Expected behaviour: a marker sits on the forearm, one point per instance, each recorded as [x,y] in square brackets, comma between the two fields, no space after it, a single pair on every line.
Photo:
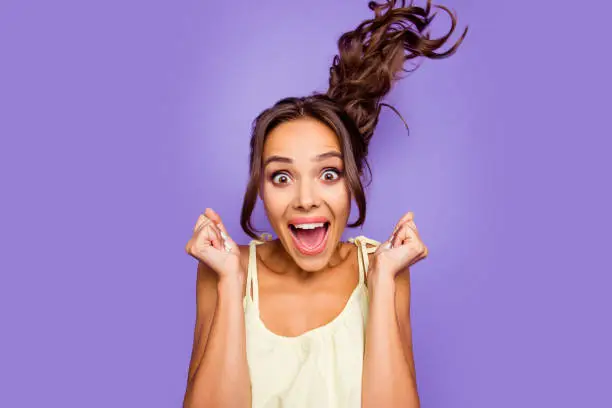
[222,377]
[388,375]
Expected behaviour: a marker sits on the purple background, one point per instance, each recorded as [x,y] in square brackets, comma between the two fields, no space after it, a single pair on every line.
[120,121]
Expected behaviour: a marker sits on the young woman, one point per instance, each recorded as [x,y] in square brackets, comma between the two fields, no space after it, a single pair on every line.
[306,320]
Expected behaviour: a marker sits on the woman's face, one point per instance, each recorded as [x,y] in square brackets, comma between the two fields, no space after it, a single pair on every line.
[304,190]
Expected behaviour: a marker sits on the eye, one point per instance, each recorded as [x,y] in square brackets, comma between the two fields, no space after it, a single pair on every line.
[331,174]
[280,178]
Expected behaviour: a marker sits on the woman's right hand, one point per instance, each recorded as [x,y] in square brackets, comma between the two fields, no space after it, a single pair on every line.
[211,244]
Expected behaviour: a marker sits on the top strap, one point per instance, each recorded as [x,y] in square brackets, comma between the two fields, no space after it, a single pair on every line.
[252,284]
[362,242]
[362,253]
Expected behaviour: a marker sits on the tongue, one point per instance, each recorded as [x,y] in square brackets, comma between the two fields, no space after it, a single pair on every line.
[310,238]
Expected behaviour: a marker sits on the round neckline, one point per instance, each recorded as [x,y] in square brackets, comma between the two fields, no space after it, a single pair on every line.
[309,333]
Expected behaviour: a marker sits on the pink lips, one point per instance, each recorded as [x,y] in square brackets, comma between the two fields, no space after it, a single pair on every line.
[307,220]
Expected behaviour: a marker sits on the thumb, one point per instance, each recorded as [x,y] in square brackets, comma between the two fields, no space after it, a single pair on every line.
[212,215]
[409,216]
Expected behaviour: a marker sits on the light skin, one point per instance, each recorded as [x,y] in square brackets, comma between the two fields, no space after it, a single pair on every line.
[303,176]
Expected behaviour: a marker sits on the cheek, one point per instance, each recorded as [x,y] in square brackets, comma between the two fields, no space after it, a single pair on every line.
[340,201]
[275,201]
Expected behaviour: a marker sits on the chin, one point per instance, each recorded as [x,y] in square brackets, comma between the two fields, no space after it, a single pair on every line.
[312,264]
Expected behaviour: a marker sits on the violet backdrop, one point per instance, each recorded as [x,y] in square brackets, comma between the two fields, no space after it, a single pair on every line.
[120,121]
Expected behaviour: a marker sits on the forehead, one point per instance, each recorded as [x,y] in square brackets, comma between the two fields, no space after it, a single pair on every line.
[304,137]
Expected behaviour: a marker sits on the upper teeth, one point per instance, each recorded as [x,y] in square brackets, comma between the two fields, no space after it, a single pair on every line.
[309,226]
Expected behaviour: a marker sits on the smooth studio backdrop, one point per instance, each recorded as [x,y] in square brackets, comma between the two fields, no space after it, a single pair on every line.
[121,121]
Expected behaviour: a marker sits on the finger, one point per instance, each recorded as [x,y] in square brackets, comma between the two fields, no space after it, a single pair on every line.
[204,236]
[417,238]
[200,221]
[410,237]
[205,220]
[218,239]
[390,243]
[413,226]
[214,217]
[405,234]
[397,238]
[229,243]
[223,231]
[405,218]
[210,233]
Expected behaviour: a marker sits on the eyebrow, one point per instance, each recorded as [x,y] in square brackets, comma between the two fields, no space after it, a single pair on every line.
[320,157]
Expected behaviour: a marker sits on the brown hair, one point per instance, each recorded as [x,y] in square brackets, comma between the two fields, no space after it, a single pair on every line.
[369,60]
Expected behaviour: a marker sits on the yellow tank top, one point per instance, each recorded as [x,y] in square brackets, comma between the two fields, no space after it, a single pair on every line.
[320,368]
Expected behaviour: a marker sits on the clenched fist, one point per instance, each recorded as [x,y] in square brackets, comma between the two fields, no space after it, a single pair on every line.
[211,244]
[403,249]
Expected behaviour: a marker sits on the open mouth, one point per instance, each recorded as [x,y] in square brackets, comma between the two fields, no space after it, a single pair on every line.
[310,238]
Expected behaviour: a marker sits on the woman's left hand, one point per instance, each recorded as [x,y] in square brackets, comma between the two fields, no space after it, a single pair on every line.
[403,248]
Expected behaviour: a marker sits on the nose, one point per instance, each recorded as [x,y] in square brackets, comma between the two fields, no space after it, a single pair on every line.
[307,196]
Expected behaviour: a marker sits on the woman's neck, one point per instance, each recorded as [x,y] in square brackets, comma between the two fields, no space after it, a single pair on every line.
[276,259]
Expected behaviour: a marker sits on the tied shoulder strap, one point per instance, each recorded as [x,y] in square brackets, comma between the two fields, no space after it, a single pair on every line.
[362,253]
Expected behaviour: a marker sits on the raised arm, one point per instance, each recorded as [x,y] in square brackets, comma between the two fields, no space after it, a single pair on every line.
[218,371]
[389,375]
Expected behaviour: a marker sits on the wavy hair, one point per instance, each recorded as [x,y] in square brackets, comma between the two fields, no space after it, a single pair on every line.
[370,59]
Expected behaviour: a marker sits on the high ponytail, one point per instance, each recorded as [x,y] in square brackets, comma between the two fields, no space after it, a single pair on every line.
[371,57]
[368,62]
